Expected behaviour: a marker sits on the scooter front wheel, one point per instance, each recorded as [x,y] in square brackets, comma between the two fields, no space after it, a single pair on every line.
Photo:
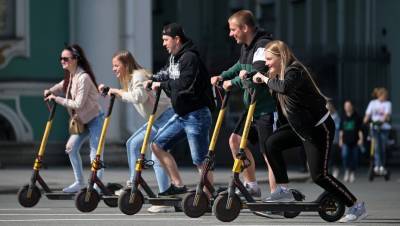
[87,202]
[28,200]
[130,203]
[331,208]
[226,209]
[193,210]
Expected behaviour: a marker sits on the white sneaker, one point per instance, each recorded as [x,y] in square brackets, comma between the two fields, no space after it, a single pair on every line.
[119,192]
[382,170]
[346,176]
[161,209]
[335,172]
[352,178]
[128,185]
[281,194]
[355,213]
[73,188]
[376,169]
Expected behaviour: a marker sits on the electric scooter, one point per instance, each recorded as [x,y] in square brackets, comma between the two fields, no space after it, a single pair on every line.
[228,204]
[196,204]
[88,198]
[375,126]
[131,200]
[29,194]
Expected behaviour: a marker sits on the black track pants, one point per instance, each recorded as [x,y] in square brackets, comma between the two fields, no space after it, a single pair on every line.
[317,151]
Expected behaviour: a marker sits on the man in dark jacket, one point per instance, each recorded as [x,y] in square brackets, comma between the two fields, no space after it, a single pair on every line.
[253,40]
[191,96]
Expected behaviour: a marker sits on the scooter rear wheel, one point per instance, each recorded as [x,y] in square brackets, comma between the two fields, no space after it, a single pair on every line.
[112,188]
[189,207]
[89,205]
[223,213]
[298,196]
[26,201]
[332,209]
[130,208]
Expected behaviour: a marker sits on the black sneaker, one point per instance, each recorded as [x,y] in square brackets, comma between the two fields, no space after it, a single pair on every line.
[173,190]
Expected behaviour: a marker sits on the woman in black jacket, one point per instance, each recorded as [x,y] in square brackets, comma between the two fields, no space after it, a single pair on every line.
[303,107]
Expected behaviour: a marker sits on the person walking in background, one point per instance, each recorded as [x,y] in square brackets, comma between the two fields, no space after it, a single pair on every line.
[334,161]
[132,77]
[243,29]
[378,113]
[350,139]
[78,93]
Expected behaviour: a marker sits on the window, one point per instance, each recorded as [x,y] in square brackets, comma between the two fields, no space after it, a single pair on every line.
[14,30]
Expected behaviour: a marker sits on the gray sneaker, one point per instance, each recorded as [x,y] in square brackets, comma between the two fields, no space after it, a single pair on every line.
[355,213]
[255,192]
[280,195]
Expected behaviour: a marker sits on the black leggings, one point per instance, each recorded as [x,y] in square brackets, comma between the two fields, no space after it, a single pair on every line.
[317,151]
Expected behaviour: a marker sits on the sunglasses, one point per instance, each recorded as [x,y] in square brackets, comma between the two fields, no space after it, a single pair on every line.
[66,59]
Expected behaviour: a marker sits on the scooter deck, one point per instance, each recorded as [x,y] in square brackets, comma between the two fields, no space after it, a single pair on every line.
[59,195]
[166,201]
[285,206]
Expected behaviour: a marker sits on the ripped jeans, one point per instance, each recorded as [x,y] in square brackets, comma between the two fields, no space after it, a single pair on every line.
[74,144]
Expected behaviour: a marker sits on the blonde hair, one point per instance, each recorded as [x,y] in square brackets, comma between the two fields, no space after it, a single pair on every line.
[287,58]
[380,91]
[129,62]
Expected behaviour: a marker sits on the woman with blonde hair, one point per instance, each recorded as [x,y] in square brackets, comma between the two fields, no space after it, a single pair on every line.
[303,106]
[378,113]
[132,77]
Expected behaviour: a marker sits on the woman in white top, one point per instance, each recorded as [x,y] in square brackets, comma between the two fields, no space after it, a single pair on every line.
[131,77]
[78,93]
[378,113]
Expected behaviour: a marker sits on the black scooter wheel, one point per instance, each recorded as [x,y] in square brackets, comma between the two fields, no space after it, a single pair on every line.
[28,201]
[112,188]
[127,207]
[225,213]
[87,205]
[111,202]
[331,208]
[298,196]
[192,210]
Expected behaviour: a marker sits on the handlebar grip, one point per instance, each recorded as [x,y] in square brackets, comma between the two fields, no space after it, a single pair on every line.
[105,91]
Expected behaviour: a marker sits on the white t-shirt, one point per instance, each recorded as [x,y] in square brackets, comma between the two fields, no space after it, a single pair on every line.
[378,109]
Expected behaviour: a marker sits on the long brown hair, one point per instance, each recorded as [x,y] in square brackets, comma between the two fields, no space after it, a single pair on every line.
[130,63]
[82,62]
[287,58]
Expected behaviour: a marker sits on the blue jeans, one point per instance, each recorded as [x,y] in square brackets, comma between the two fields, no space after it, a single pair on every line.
[74,144]
[134,145]
[350,156]
[381,137]
[194,126]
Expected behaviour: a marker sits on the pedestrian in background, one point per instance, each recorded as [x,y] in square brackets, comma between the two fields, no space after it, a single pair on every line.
[350,139]
[378,113]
